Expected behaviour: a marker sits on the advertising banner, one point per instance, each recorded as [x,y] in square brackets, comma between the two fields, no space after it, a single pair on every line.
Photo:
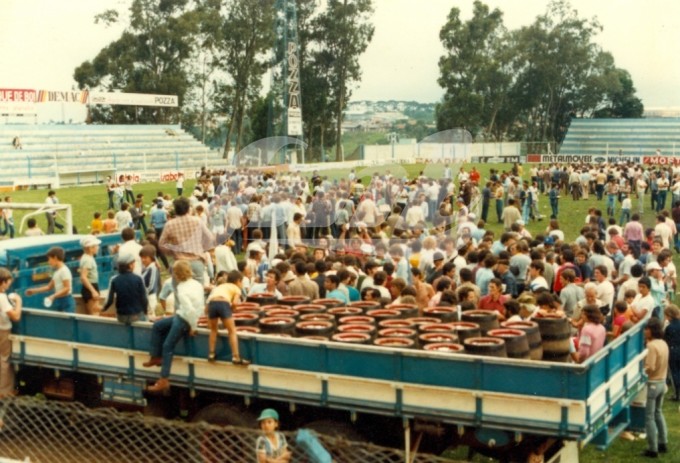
[48,96]
[134,99]
[556,158]
[171,176]
[496,159]
[17,101]
[135,177]
[661,160]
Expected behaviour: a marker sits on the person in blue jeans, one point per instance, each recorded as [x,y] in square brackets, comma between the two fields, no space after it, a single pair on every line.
[168,331]
[61,282]
[656,368]
[554,200]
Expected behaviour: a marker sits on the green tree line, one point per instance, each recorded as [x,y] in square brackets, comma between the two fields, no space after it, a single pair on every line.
[214,55]
[527,84]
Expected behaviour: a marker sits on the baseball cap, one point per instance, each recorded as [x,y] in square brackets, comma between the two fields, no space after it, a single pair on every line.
[268,413]
[549,240]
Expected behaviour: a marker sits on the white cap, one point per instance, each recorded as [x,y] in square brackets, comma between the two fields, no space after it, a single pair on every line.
[90,240]
[125,258]
[653,266]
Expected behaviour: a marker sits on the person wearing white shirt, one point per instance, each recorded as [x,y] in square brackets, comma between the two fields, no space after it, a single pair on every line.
[605,288]
[130,246]
[234,225]
[663,232]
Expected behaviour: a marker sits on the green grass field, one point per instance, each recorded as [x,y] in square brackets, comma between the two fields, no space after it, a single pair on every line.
[88,199]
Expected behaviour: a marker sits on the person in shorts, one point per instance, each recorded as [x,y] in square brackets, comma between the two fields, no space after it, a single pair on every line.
[222,299]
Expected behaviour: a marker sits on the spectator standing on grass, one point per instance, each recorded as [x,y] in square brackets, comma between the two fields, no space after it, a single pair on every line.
[185,237]
[8,218]
[51,216]
[129,194]
[110,190]
[656,368]
[159,217]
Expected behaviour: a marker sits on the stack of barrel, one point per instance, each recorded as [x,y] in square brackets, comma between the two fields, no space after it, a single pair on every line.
[439,329]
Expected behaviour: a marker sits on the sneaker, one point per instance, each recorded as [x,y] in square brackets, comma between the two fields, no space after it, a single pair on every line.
[650,454]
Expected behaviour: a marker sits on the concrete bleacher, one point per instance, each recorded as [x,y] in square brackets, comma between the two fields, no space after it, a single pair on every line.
[75,154]
[633,137]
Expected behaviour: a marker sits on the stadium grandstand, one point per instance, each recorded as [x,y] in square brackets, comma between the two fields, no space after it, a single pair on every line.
[78,153]
[627,137]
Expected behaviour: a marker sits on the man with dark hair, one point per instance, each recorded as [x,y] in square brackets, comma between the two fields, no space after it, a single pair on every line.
[187,237]
[656,368]
[302,285]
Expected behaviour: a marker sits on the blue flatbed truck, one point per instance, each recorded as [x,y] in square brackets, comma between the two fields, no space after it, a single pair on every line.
[499,407]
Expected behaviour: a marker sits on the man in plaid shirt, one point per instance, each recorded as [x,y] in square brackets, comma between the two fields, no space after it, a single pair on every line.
[187,237]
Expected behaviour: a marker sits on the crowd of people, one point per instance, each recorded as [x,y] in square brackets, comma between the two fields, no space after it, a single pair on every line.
[395,239]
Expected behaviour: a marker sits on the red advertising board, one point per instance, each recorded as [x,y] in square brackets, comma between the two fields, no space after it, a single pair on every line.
[17,100]
[661,160]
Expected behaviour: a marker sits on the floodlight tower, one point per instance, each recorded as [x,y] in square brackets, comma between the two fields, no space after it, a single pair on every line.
[286,92]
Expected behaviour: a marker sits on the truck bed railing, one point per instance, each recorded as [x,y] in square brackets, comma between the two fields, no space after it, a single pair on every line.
[564,400]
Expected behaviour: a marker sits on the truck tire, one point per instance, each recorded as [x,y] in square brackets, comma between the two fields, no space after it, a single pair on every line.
[222,414]
[488,347]
[336,429]
[516,342]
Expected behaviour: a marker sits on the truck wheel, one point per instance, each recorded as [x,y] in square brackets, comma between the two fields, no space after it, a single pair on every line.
[223,414]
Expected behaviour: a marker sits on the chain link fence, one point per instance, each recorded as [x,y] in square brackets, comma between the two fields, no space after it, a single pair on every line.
[36,430]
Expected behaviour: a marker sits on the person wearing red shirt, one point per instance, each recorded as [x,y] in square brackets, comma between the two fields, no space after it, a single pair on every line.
[495,300]
[474,175]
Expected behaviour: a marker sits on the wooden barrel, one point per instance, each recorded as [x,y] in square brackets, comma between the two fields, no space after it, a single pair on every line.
[435,328]
[397,333]
[516,342]
[318,317]
[555,336]
[277,325]
[310,308]
[533,336]
[315,328]
[294,300]
[405,310]
[366,305]
[264,308]
[445,314]
[289,312]
[398,323]
[357,328]
[398,342]
[339,312]
[245,318]
[465,330]
[435,338]
[485,346]
[384,314]
[261,298]
[246,307]
[417,321]
[444,347]
[329,303]
[354,319]
[486,319]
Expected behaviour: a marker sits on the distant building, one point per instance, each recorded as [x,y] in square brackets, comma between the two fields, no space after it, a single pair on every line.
[662,112]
